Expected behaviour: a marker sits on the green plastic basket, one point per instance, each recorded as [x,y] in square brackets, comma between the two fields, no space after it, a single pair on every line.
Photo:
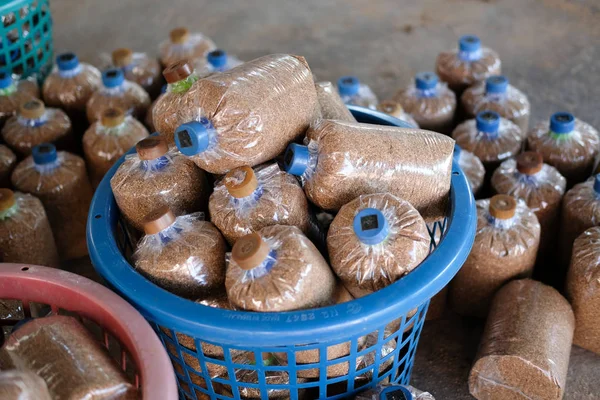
[26,39]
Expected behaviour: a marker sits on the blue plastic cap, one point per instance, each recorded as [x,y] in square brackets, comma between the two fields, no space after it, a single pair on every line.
[217,58]
[426,80]
[113,77]
[67,61]
[597,183]
[370,226]
[496,84]
[44,153]
[192,138]
[5,80]
[457,151]
[469,43]
[163,89]
[296,158]
[348,85]
[395,393]
[488,121]
[562,122]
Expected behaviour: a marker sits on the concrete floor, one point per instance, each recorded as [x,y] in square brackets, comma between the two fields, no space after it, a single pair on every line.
[549,48]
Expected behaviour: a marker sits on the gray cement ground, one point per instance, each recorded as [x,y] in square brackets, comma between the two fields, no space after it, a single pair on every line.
[549,48]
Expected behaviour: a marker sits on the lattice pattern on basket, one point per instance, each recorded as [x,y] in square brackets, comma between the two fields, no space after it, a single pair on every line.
[26,40]
[218,371]
[14,310]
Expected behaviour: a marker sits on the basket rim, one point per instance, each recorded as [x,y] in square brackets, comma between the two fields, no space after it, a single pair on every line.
[86,297]
[359,316]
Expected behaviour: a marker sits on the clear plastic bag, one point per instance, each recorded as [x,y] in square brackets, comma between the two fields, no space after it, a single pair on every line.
[541,187]
[25,233]
[344,160]
[35,124]
[375,240]
[22,385]
[583,289]
[568,144]
[140,68]
[472,167]
[60,181]
[352,91]
[468,64]
[216,61]
[394,391]
[108,139]
[68,358]
[430,102]
[8,161]
[331,104]
[490,137]
[149,121]
[156,176]
[184,255]
[117,92]
[525,347]
[393,108]
[14,92]
[245,116]
[247,200]
[580,211]
[505,248]
[496,94]
[278,269]
[183,45]
[71,84]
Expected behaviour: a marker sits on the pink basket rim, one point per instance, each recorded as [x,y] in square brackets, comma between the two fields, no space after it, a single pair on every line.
[83,296]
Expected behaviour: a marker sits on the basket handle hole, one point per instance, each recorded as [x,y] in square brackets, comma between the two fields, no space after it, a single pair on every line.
[455,173]
[97,216]
[25,269]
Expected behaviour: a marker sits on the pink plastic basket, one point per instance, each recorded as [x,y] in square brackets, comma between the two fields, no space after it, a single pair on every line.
[122,330]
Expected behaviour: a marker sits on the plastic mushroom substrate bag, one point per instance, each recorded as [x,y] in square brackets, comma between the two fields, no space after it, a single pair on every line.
[245,116]
[472,167]
[155,176]
[247,200]
[468,64]
[13,93]
[184,45]
[184,255]
[331,104]
[8,160]
[505,248]
[429,102]
[139,68]
[22,385]
[344,160]
[375,240]
[107,139]
[394,109]
[60,181]
[394,392]
[35,124]
[352,91]
[278,269]
[216,61]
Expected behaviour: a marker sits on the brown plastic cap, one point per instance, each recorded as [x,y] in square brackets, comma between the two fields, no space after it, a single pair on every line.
[7,199]
[152,147]
[158,220]
[503,206]
[244,188]
[179,35]
[249,251]
[177,71]
[122,57]
[390,107]
[32,109]
[530,162]
[112,117]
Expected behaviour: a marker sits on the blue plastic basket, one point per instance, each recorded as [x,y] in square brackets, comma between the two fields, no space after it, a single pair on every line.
[26,37]
[400,307]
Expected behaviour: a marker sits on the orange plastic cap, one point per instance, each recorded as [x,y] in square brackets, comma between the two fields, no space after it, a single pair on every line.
[7,199]
[244,188]
[503,206]
[178,71]
[530,162]
[122,57]
[179,35]
[151,148]
[249,251]
[158,220]
[391,107]
[32,109]
[112,117]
